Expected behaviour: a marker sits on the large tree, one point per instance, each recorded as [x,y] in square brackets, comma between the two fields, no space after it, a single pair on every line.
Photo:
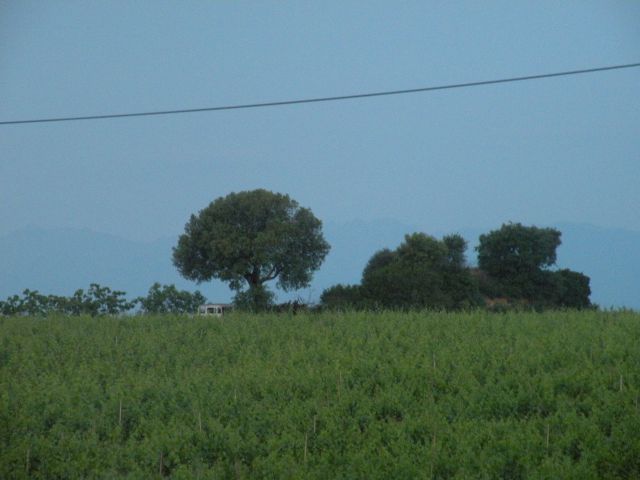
[517,261]
[516,257]
[422,272]
[515,249]
[250,238]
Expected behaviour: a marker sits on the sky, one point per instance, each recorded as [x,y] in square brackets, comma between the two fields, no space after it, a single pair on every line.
[553,150]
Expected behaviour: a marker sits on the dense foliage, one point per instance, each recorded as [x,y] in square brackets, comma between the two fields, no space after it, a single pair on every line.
[515,251]
[250,238]
[344,297]
[421,272]
[168,299]
[513,271]
[99,300]
[356,395]
[516,261]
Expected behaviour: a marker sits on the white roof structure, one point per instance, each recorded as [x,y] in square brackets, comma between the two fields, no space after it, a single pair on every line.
[216,309]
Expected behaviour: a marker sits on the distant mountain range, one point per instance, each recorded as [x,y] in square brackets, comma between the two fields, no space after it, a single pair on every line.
[60,261]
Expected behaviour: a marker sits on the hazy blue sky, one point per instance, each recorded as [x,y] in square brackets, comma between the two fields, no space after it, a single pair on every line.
[555,150]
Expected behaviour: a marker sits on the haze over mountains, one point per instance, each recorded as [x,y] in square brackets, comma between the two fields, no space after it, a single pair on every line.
[59,261]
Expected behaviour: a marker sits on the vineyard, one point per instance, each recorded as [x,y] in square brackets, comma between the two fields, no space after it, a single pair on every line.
[330,395]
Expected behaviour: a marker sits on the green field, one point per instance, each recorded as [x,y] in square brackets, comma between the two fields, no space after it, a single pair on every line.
[356,395]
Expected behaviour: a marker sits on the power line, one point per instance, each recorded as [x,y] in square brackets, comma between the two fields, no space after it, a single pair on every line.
[324,99]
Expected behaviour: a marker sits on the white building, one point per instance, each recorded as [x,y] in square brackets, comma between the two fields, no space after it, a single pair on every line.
[217,309]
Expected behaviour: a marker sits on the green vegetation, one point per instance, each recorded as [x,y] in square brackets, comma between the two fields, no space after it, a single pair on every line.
[513,273]
[421,273]
[168,299]
[516,260]
[331,395]
[100,301]
[97,300]
[250,238]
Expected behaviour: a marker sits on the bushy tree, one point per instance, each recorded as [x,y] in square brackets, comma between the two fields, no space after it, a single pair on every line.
[459,283]
[516,262]
[98,300]
[168,299]
[516,256]
[422,272]
[343,297]
[257,298]
[572,289]
[11,306]
[250,238]
[410,277]
[32,303]
[101,300]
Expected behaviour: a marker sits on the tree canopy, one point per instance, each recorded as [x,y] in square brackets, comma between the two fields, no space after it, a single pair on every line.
[515,249]
[168,299]
[97,300]
[516,260]
[249,238]
[515,269]
[422,272]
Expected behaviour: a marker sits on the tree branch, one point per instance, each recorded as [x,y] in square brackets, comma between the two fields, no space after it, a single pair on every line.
[275,271]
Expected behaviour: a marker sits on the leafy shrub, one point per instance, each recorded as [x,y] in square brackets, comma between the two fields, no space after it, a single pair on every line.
[168,299]
[97,300]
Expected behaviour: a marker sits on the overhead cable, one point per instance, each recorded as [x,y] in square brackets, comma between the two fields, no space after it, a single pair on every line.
[322,99]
